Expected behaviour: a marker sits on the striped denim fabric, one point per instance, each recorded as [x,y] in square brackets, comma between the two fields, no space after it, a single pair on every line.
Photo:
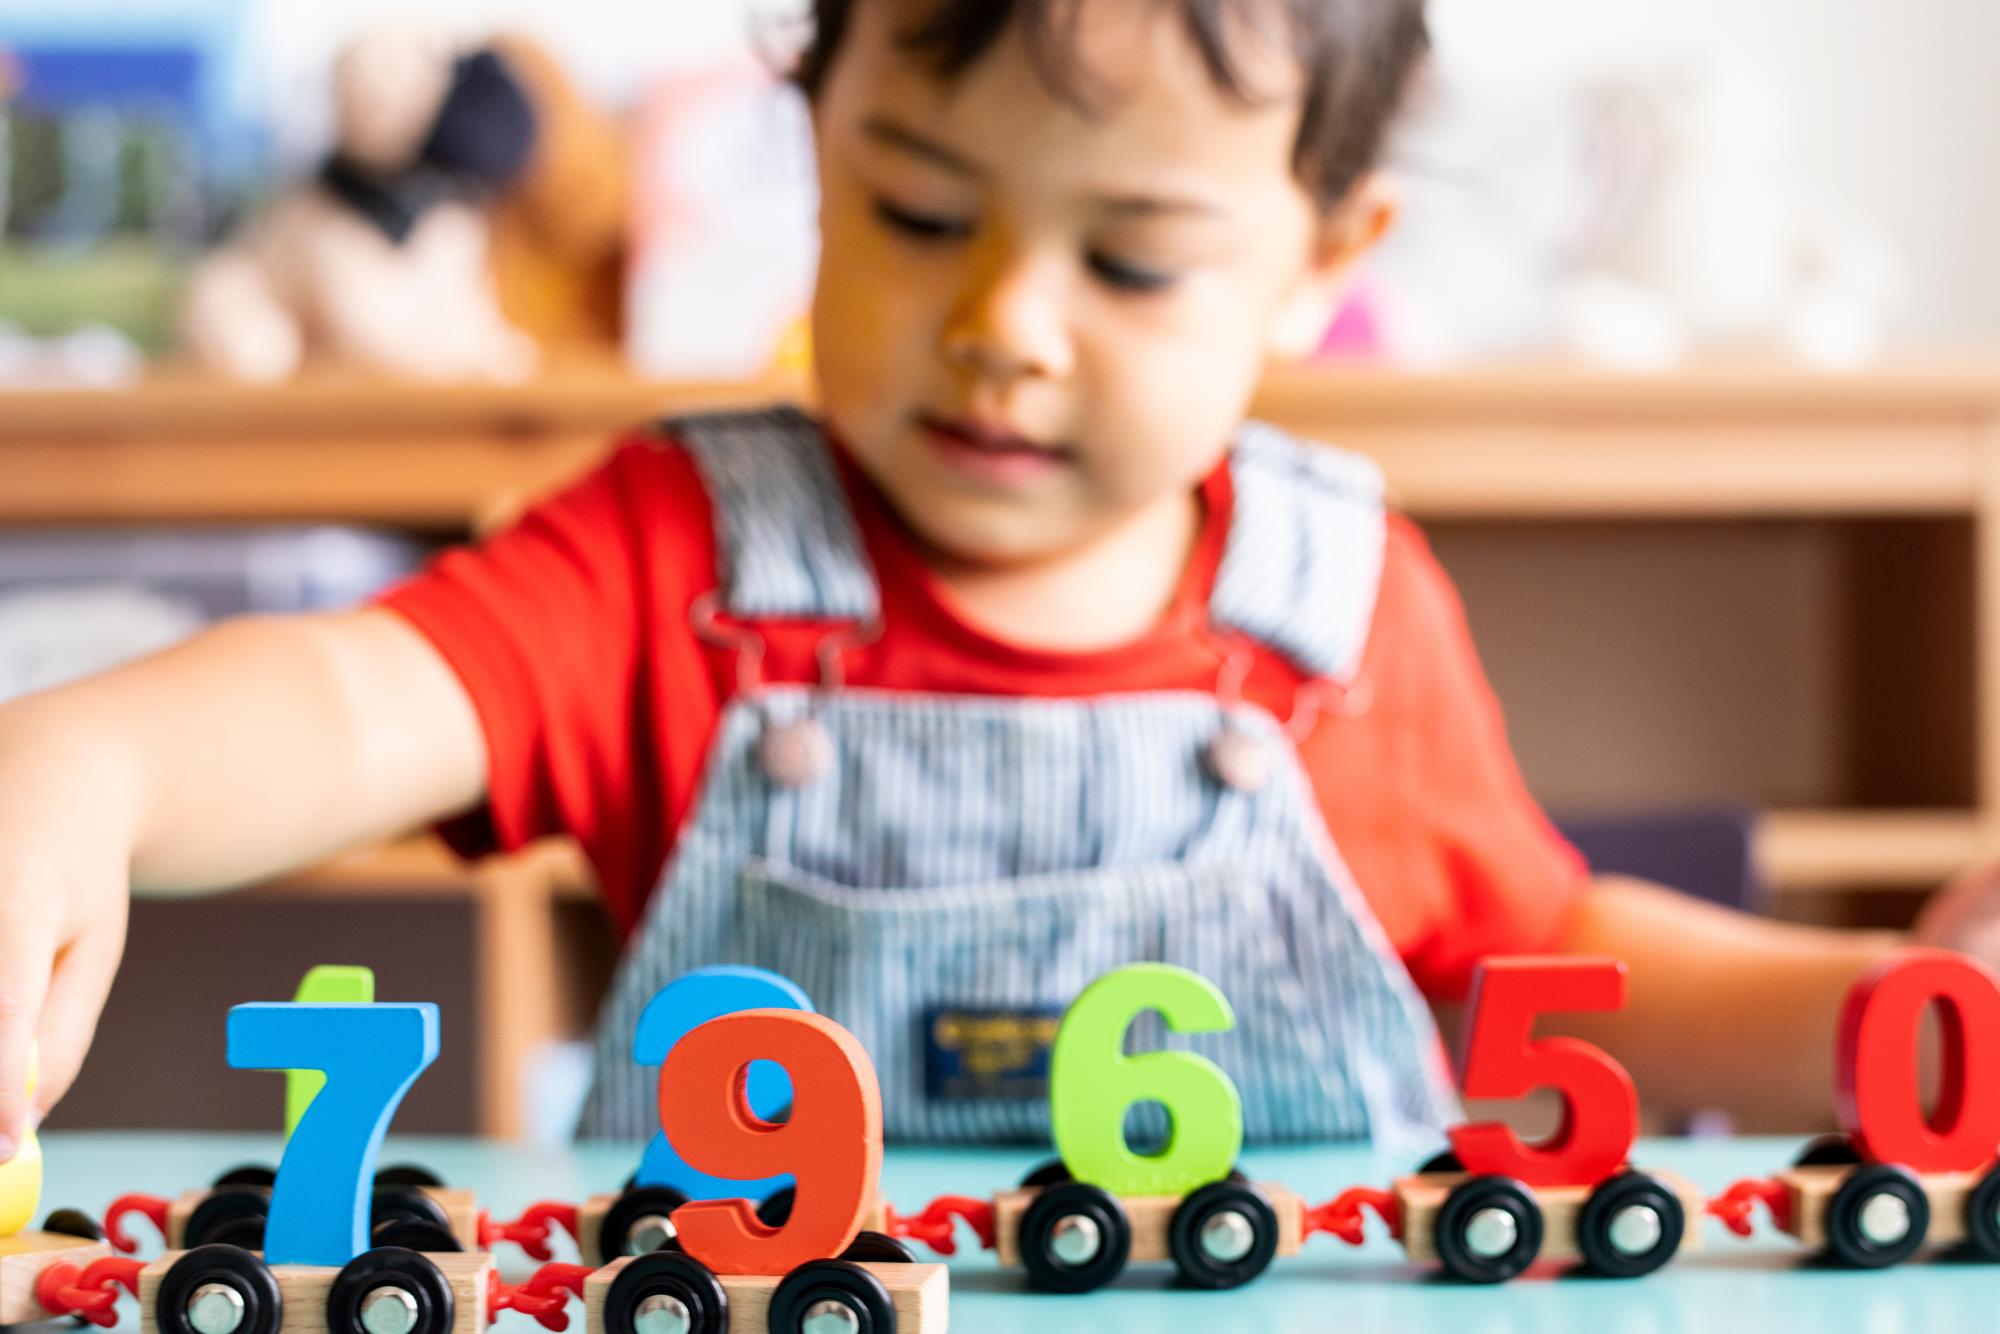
[1000,853]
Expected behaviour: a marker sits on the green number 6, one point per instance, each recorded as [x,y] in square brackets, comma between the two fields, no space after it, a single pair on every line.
[1092,1083]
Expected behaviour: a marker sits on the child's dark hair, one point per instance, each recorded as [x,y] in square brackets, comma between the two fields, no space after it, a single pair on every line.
[1357,57]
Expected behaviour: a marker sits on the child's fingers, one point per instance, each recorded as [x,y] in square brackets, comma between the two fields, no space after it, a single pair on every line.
[69,1017]
[27,946]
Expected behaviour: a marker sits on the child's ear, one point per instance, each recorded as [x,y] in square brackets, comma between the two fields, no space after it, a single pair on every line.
[1339,240]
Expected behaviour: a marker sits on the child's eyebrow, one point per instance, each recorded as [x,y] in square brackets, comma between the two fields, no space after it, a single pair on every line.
[902,139]
[909,141]
[1153,206]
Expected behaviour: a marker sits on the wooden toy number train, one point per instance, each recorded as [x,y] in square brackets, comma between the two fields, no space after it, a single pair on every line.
[683,1251]
[1485,1210]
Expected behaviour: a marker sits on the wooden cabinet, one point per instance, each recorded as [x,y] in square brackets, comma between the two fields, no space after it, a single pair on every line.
[1758,584]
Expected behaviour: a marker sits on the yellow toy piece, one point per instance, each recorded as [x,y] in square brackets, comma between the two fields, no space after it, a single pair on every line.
[21,1176]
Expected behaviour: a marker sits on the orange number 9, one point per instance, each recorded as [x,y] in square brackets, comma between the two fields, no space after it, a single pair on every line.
[832,1145]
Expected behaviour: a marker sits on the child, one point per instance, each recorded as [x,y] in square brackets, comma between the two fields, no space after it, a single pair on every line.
[1029,662]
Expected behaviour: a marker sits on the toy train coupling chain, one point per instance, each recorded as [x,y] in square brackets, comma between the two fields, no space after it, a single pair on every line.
[532,1230]
[152,1206]
[933,1227]
[1345,1218]
[545,1295]
[1734,1206]
[88,1293]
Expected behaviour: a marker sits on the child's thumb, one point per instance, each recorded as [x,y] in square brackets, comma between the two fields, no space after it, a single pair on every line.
[24,980]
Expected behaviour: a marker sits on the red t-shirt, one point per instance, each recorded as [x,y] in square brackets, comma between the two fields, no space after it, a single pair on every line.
[571,631]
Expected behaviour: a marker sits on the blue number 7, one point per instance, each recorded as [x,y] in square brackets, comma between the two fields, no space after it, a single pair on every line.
[370,1054]
[682,1006]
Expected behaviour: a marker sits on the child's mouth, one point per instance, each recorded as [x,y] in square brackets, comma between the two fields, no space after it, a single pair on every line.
[989,452]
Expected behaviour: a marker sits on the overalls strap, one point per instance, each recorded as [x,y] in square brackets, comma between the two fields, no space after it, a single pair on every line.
[1299,571]
[1304,556]
[787,541]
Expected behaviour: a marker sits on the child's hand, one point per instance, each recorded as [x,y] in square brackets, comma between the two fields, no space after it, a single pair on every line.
[1965,915]
[63,907]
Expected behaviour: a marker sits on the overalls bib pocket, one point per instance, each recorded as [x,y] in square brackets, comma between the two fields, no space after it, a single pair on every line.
[878,960]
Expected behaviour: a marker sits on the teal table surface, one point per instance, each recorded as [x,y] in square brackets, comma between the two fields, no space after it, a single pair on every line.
[1762,1284]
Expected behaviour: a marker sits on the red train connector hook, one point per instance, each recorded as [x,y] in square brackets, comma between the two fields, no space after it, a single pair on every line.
[1736,1205]
[545,1296]
[1345,1216]
[151,1207]
[933,1227]
[533,1229]
[89,1293]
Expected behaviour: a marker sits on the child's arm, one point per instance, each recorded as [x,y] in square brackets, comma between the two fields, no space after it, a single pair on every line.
[262,745]
[1724,1010]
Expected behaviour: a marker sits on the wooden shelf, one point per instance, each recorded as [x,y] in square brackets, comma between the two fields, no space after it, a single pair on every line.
[1515,443]
[1822,852]
[422,867]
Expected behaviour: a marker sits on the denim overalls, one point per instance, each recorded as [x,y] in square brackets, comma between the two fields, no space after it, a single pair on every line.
[896,853]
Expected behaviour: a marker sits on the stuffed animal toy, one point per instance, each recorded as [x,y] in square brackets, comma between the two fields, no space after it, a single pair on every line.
[381,261]
[560,235]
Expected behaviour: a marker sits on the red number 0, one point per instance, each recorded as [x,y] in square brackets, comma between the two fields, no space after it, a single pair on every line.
[1503,1059]
[832,1145]
[1875,1083]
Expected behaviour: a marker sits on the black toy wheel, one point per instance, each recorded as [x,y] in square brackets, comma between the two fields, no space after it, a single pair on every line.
[1050,1173]
[73,1223]
[1828,1151]
[411,1175]
[1074,1238]
[410,1290]
[875,1248]
[1630,1226]
[1877,1218]
[775,1210]
[665,1281]
[222,1288]
[638,1222]
[405,1204]
[231,1216]
[1438,1164]
[250,1174]
[1223,1235]
[414,1234]
[408,1174]
[829,1287]
[1982,1217]
[1489,1230]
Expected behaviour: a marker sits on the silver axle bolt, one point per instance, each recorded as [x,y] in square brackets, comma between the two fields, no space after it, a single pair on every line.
[215,1308]
[1885,1219]
[1637,1229]
[662,1314]
[1228,1237]
[830,1318]
[1076,1240]
[1491,1233]
[650,1232]
[388,1310]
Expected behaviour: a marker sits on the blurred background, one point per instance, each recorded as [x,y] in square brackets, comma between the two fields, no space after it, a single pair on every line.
[1684,353]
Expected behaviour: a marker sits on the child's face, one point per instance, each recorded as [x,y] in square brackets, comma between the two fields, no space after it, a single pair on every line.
[1032,325]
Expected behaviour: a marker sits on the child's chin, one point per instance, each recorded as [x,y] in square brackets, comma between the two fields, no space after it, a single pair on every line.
[969,535]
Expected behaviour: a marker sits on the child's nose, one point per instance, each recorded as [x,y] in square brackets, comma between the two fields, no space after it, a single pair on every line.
[1012,323]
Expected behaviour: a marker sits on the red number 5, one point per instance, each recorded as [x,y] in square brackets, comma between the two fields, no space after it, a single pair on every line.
[1503,1059]
[832,1145]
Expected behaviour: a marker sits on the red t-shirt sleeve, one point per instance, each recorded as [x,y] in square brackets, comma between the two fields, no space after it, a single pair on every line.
[561,627]
[1454,852]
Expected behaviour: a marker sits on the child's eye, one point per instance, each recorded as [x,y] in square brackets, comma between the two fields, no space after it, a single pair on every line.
[924,226]
[1129,277]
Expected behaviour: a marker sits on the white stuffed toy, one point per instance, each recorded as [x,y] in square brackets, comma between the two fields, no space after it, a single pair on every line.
[381,262]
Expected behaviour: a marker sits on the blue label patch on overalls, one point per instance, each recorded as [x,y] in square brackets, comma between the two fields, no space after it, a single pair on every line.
[988,1055]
